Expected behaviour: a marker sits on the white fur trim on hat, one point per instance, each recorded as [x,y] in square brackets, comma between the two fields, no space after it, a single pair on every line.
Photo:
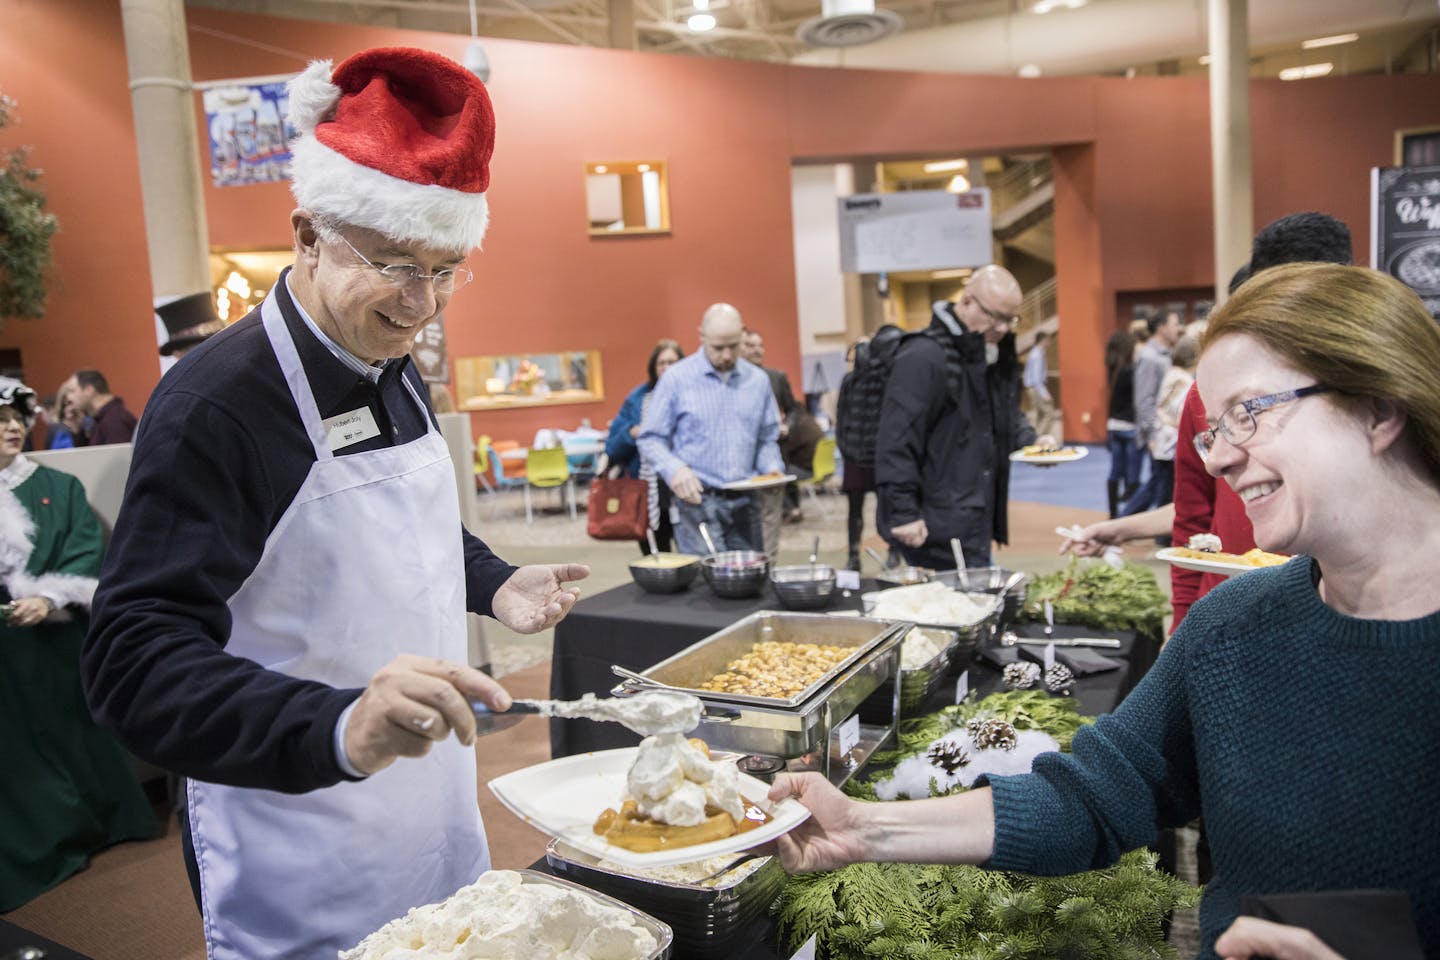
[312,96]
[336,186]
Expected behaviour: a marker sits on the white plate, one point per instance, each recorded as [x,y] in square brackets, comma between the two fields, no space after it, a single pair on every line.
[1172,555]
[1042,459]
[758,483]
[564,797]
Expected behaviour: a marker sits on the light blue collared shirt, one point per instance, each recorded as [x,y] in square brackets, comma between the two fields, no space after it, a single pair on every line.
[367,370]
[724,427]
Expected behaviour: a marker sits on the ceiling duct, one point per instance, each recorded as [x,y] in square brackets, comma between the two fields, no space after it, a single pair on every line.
[848,23]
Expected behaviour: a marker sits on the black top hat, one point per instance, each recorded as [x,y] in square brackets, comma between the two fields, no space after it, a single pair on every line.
[188,321]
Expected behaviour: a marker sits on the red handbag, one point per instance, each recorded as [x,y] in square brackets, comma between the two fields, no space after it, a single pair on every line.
[618,509]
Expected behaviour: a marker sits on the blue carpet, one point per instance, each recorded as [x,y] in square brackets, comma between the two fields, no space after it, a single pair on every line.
[1080,484]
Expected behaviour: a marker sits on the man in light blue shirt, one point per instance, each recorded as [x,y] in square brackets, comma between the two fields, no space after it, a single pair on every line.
[712,421]
[1036,381]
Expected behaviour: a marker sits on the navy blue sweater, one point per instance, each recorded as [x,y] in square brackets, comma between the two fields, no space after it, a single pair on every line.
[1310,740]
[219,456]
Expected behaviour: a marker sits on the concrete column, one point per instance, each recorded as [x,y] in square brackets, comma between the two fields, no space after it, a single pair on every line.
[158,53]
[1230,138]
[622,24]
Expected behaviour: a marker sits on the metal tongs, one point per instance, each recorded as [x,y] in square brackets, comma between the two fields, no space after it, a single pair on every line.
[1010,638]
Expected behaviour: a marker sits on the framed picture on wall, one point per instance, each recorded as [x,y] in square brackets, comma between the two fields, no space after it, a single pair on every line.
[1417,147]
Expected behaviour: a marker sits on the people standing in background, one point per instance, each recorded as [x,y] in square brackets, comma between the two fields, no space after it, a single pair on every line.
[713,421]
[857,422]
[1150,366]
[111,421]
[1124,477]
[799,435]
[950,419]
[1168,406]
[68,790]
[67,426]
[622,455]
[1036,380]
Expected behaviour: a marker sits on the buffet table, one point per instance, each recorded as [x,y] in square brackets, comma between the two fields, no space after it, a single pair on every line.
[14,938]
[637,630]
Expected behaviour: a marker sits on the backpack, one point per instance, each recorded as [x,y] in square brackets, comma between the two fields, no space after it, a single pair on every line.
[862,395]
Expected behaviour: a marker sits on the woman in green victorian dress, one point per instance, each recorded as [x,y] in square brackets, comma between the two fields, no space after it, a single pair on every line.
[66,789]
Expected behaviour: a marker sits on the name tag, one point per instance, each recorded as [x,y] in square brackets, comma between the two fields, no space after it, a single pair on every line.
[351,428]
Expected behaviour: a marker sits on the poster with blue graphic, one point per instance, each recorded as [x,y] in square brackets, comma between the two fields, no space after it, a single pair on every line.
[249,132]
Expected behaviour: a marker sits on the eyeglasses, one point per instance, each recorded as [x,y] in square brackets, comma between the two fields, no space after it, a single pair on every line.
[1237,425]
[400,274]
[1008,319]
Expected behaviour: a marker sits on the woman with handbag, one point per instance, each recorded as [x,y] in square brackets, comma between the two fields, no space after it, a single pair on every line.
[623,455]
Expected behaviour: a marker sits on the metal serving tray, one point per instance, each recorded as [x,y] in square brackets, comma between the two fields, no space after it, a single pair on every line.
[968,635]
[708,921]
[799,729]
[917,685]
[664,936]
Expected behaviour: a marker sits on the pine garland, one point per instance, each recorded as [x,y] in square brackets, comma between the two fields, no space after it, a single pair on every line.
[1091,593]
[925,911]
[25,231]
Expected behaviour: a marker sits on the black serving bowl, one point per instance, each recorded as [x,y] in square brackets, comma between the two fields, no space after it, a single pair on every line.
[665,572]
[804,586]
[736,573]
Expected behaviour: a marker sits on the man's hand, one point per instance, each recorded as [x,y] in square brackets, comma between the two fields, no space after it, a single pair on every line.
[410,704]
[1252,937]
[29,611]
[534,597]
[1046,440]
[834,834]
[686,485]
[911,534]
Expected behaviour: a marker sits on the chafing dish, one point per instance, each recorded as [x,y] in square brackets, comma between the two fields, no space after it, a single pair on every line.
[967,635]
[806,729]
[916,685]
[709,919]
[1006,584]
[664,936]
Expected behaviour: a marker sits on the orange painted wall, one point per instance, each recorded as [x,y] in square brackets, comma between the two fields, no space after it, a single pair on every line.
[63,62]
[1132,184]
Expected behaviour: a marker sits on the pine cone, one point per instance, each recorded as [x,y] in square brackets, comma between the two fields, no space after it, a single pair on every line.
[1059,678]
[948,756]
[1021,675]
[992,732]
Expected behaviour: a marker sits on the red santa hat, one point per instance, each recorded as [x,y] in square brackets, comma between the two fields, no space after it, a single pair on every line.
[397,140]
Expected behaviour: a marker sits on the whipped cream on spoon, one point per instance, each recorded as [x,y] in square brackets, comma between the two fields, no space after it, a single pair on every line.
[648,713]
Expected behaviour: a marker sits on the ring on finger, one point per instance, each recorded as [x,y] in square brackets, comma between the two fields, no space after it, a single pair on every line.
[423,723]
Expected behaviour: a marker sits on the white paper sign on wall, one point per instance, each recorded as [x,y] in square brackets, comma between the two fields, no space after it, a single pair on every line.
[915,230]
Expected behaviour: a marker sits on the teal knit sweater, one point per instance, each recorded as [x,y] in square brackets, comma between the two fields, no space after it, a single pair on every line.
[1310,740]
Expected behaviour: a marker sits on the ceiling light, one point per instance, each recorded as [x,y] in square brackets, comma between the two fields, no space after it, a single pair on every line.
[958,184]
[1029,71]
[600,168]
[944,166]
[700,22]
[643,168]
[1307,71]
[1045,6]
[1334,41]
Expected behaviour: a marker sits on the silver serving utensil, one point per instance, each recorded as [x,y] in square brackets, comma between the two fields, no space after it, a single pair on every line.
[1010,638]
[814,553]
[1013,582]
[628,674]
[962,576]
[488,721]
[650,536]
[875,555]
[1049,619]
[705,533]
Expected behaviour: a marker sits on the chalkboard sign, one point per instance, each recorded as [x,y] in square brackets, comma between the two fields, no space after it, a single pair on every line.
[915,230]
[1405,228]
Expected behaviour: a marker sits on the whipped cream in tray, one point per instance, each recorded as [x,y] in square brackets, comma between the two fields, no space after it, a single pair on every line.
[518,915]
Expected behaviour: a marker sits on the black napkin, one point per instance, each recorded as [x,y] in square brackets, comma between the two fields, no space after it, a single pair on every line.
[1083,662]
[1357,924]
[999,657]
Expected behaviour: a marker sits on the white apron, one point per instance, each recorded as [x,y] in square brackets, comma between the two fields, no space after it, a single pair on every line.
[367,562]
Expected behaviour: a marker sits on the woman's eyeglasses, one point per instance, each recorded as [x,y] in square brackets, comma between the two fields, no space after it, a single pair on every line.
[1237,425]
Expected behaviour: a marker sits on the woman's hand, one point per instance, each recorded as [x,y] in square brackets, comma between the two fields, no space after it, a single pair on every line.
[1251,937]
[28,611]
[832,837]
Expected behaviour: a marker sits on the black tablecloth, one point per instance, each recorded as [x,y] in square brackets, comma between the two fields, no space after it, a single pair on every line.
[637,630]
[13,938]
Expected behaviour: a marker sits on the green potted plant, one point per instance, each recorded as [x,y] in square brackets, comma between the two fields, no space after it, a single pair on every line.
[25,230]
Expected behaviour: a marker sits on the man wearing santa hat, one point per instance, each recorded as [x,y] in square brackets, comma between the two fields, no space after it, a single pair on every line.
[281,615]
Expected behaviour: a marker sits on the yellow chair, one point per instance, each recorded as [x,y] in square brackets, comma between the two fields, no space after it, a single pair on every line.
[822,467]
[545,469]
[482,463]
